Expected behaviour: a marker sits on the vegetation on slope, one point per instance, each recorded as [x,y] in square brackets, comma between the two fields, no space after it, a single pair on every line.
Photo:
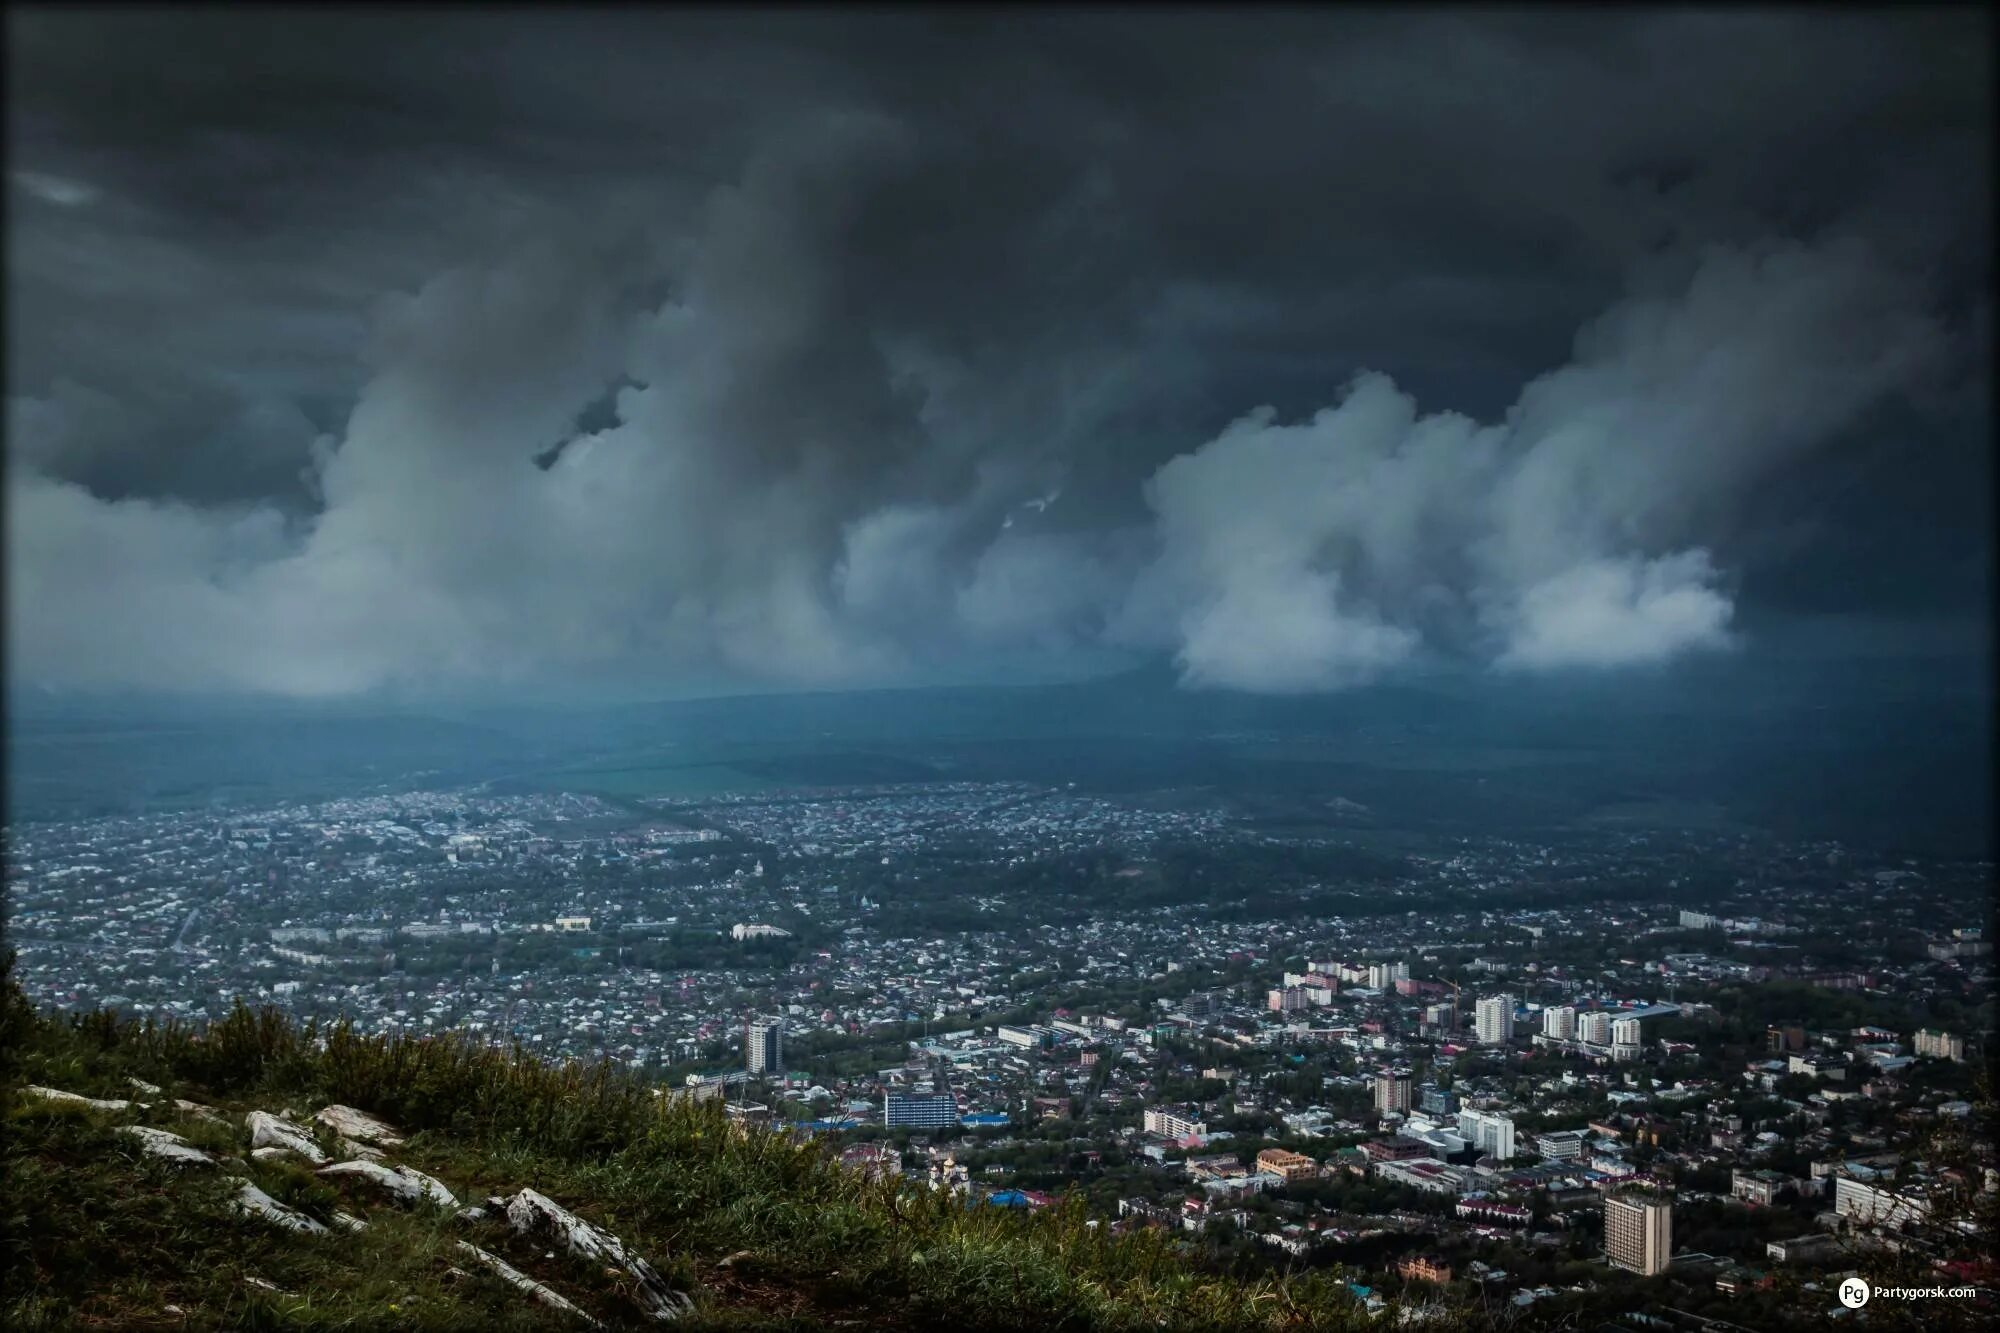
[762,1231]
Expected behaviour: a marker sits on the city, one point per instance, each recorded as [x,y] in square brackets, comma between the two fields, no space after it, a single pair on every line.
[1720,1062]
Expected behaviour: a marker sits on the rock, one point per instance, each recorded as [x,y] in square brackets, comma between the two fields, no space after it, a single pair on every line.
[406,1183]
[740,1256]
[530,1214]
[62,1098]
[272,1154]
[362,1151]
[150,1089]
[358,1125]
[473,1214]
[172,1147]
[520,1281]
[263,1285]
[270,1131]
[255,1203]
[348,1221]
[198,1111]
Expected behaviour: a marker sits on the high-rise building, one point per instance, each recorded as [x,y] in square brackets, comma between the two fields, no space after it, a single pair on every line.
[1627,1032]
[1559,1022]
[1392,1091]
[919,1110]
[1594,1027]
[1493,1020]
[1488,1131]
[1438,1101]
[1940,1045]
[764,1047]
[1639,1232]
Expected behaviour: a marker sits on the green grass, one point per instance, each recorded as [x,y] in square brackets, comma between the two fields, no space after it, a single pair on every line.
[100,1236]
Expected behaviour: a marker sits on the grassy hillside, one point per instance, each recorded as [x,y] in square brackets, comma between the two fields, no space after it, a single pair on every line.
[761,1232]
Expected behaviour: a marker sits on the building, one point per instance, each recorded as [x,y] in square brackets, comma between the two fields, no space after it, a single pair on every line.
[1419,1269]
[1287,1165]
[1383,976]
[1639,1232]
[919,1110]
[1863,1204]
[764,1047]
[1760,1188]
[754,931]
[1559,1022]
[1173,1122]
[1560,1145]
[1286,999]
[1027,1038]
[1493,1020]
[1940,1045]
[1782,1039]
[1392,1091]
[572,923]
[1438,1101]
[1627,1032]
[1699,921]
[1593,1028]
[1490,1132]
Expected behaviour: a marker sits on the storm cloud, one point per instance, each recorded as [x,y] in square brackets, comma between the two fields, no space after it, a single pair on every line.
[526,349]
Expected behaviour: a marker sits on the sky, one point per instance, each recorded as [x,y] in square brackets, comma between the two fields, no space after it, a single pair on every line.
[552,350]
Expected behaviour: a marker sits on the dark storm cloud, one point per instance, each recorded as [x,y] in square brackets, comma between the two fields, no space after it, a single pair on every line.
[896,342]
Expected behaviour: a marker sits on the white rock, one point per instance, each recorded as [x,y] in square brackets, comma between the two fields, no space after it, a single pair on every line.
[530,1213]
[198,1111]
[406,1183]
[254,1202]
[172,1147]
[353,1124]
[361,1150]
[150,1089]
[76,1099]
[269,1131]
[520,1281]
[347,1221]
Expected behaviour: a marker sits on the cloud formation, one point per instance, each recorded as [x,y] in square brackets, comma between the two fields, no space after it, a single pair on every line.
[891,379]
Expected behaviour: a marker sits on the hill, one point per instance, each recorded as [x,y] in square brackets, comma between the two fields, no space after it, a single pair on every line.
[158,1176]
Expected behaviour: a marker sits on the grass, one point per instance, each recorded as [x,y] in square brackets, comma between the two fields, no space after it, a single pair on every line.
[100,1236]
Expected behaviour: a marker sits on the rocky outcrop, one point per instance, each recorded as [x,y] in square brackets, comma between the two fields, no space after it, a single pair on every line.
[520,1281]
[405,1183]
[533,1214]
[62,1098]
[167,1146]
[253,1202]
[270,1131]
[358,1126]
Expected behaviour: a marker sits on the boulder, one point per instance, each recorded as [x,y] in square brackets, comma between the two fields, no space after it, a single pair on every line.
[168,1146]
[270,1131]
[62,1098]
[406,1183]
[253,1202]
[531,1214]
[358,1125]
[520,1281]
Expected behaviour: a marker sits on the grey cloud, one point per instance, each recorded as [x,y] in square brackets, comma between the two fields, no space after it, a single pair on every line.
[860,292]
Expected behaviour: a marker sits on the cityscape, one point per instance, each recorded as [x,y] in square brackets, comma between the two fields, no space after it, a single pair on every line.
[1719,1060]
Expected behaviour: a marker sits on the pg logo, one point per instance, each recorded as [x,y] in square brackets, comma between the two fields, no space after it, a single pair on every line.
[1854,1292]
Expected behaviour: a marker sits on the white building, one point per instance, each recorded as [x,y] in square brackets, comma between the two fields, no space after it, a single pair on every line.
[1493,1020]
[764,1047]
[757,931]
[1594,1028]
[1489,1131]
[1559,1022]
[1173,1122]
[1940,1045]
